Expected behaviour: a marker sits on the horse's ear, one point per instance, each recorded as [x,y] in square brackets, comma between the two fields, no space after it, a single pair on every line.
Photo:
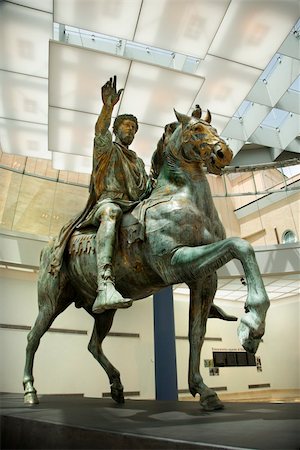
[182,118]
[207,117]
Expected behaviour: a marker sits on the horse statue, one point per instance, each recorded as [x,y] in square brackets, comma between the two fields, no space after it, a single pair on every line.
[171,237]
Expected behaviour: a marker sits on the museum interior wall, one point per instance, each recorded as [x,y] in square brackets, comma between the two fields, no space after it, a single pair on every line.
[64,365]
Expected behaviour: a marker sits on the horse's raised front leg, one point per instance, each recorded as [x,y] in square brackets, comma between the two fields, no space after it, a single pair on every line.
[103,323]
[201,297]
[195,262]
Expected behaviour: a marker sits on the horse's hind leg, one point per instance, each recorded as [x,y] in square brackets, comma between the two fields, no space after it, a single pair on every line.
[103,323]
[201,297]
[50,306]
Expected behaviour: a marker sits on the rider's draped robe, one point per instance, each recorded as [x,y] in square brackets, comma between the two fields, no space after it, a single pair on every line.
[118,176]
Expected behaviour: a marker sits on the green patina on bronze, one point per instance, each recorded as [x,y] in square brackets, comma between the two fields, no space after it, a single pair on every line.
[173,234]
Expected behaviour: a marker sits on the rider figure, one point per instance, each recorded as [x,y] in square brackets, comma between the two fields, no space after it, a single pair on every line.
[118,180]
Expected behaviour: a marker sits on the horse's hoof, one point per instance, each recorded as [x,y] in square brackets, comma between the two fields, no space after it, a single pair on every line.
[30,398]
[249,342]
[211,403]
[117,395]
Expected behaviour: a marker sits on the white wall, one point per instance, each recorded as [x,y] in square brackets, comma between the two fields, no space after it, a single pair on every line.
[279,350]
[64,365]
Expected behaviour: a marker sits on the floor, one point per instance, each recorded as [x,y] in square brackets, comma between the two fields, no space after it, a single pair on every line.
[68,422]
[262,395]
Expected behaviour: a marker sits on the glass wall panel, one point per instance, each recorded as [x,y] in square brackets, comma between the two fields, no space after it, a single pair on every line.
[270,180]
[242,187]
[34,206]
[280,214]
[255,205]
[10,183]
[217,185]
[69,200]
[225,208]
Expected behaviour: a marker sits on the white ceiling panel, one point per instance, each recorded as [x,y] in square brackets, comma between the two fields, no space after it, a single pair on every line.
[294,146]
[244,127]
[229,42]
[291,45]
[24,138]
[226,84]
[76,76]
[289,129]
[266,136]
[290,101]
[254,115]
[24,37]
[24,97]
[113,17]
[71,132]
[45,5]
[75,163]
[253,30]
[235,129]
[152,92]
[145,142]
[182,26]
[268,91]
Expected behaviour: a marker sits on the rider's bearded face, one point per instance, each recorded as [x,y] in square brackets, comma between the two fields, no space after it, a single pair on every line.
[126,131]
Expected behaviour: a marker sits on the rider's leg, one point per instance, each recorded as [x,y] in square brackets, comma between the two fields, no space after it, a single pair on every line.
[108,297]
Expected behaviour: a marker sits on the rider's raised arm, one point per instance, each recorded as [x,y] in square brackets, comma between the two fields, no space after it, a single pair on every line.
[110,97]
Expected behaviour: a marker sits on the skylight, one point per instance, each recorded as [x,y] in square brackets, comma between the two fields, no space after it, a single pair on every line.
[296,85]
[123,47]
[275,118]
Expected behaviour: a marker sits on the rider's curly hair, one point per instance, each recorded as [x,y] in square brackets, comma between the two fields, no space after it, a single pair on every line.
[119,119]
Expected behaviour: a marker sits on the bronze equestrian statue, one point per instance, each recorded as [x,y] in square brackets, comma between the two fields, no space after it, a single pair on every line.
[170,237]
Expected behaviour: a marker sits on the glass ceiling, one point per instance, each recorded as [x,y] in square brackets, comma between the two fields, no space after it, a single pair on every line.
[238,59]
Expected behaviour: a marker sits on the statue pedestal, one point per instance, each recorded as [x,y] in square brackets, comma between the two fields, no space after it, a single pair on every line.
[69,422]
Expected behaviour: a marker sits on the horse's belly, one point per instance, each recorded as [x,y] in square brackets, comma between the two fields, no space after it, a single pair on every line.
[83,274]
[134,276]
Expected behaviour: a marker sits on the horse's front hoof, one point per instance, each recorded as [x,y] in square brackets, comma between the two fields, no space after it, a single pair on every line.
[211,403]
[249,342]
[30,398]
[117,394]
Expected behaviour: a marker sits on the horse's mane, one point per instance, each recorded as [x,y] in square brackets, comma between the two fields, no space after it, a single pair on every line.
[158,156]
[171,152]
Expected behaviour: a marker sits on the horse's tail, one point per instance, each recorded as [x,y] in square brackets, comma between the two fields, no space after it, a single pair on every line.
[47,254]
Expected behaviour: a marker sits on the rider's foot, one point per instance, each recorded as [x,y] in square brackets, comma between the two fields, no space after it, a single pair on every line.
[109,298]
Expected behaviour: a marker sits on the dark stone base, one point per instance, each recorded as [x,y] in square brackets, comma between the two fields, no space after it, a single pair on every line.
[75,422]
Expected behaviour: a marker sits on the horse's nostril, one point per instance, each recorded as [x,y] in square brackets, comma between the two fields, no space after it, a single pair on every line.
[220,154]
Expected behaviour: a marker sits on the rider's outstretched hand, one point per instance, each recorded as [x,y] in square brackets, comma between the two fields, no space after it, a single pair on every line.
[110,95]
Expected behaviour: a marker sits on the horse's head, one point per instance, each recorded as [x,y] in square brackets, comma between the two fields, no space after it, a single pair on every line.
[201,142]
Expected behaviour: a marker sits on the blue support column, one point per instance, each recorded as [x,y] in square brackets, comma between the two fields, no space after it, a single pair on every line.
[165,346]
